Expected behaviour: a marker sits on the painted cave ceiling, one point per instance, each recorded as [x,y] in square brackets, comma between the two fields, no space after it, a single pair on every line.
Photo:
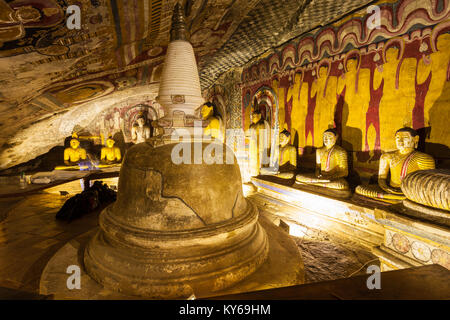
[51,73]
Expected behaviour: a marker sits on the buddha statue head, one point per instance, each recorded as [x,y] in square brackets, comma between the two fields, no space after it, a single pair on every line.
[406,139]
[207,110]
[285,138]
[329,138]
[74,143]
[140,121]
[110,143]
[256,116]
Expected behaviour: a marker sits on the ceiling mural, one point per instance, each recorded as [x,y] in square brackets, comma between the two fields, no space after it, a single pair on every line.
[46,68]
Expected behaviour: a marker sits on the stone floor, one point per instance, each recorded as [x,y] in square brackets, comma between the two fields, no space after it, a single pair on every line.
[331,258]
[30,236]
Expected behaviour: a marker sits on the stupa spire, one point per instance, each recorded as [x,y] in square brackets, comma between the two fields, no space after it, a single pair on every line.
[179,30]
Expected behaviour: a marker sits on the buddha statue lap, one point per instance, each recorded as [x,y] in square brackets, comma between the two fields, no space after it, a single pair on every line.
[331,166]
[74,154]
[398,164]
[110,154]
[214,128]
[287,159]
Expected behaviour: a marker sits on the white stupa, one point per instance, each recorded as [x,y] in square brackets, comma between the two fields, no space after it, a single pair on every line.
[179,90]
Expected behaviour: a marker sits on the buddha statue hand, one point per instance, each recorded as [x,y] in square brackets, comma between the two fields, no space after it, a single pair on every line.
[375,192]
[310,178]
[321,179]
[326,177]
[383,185]
[269,171]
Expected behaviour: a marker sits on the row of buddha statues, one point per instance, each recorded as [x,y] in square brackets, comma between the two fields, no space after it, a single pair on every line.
[331,161]
[76,154]
[110,154]
[332,169]
[141,132]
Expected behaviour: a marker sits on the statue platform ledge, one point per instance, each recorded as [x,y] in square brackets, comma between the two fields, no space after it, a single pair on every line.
[413,235]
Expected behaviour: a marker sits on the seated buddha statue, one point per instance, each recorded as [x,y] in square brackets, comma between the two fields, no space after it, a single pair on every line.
[331,165]
[397,164]
[140,131]
[110,154]
[259,136]
[287,158]
[75,153]
[215,126]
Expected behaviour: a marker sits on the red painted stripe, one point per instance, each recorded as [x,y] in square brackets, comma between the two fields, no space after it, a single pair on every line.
[405,165]
[329,158]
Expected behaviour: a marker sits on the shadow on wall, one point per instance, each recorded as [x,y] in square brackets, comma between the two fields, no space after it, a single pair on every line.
[350,138]
[119,138]
[439,115]
[295,144]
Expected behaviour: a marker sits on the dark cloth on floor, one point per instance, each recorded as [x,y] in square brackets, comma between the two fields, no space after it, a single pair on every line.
[97,196]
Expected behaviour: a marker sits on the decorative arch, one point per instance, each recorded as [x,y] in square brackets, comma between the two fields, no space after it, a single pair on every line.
[120,117]
[267,97]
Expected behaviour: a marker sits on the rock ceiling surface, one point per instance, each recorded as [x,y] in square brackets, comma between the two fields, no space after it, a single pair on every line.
[45,67]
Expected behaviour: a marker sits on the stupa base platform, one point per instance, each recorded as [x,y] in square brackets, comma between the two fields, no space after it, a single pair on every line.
[283,267]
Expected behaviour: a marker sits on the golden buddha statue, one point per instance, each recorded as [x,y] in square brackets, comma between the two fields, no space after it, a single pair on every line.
[74,154]
[140,132]
[215,126]
[331,165]
[398,164]
[287,158]
[110,154]
[259,134]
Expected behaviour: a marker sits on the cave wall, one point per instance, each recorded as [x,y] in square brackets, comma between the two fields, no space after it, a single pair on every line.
[226,95]
[109,115]
[366,82]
